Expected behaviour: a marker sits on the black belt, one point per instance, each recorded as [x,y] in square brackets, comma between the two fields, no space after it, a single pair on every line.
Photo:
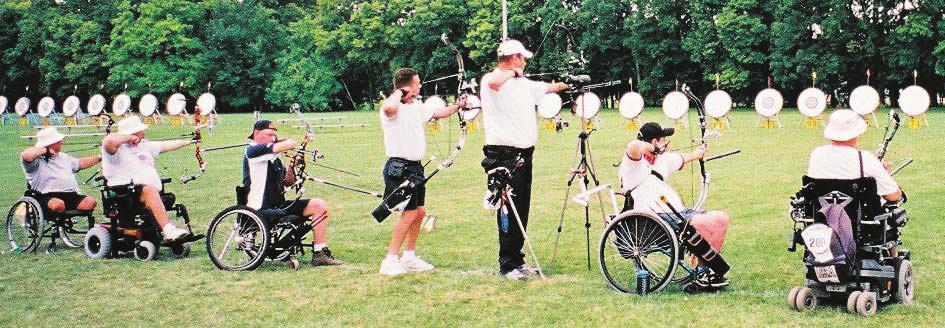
[405,161]
[506,152]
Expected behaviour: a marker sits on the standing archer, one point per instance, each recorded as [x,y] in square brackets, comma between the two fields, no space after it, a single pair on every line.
[403,117]
[508,111]
[265,178]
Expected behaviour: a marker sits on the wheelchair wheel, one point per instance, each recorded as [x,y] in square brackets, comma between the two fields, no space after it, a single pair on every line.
[74,230]
[851,301]
[146,251]
[637,244]
[25,225]
[805,300]
[237,239]
[904,284]
[866,304]
[98,243]
[180,251]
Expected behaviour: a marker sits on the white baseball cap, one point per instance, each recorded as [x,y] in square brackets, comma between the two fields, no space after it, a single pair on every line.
[131,125]
[48,136]
[513,47]
[844,125]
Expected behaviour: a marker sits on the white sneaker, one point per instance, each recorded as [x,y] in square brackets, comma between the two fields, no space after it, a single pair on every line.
[392,267]
[173,233]
[516,274]
[415,264]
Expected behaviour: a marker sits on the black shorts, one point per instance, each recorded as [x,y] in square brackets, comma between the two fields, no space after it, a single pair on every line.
[396,171]
[290,207]
[72,199]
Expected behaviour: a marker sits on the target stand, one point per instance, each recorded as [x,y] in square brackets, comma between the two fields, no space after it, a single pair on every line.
[768,105]
[915,102]
[675,106]
[718,104]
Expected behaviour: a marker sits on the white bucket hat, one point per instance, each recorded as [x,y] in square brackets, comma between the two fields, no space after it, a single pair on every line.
[48,136]
[131,125]
[844,125]
[513,47]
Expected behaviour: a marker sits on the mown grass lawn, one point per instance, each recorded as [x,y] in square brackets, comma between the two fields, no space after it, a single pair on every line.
[68,289]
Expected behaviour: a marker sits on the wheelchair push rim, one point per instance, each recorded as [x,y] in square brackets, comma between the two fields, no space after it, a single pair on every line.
[237,239]
[637,247]
[24,226]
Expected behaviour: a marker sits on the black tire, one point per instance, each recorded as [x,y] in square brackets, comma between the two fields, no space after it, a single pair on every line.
[24,226]
[97,243]
[905,285]
[637,240]
[805,300]
[244,227]
[146,251]
[181,250]
[74,231]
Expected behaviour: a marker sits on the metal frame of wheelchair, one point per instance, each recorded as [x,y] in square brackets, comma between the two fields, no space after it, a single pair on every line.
[241,238]
[29,222]
[132,228]
[876,277]
[633,240]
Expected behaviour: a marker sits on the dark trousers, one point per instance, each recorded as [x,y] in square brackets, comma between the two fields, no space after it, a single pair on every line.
[510,236]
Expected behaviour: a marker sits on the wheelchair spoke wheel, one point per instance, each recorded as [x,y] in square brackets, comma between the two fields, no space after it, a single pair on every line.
[24,226]
[636,248]
[237,239]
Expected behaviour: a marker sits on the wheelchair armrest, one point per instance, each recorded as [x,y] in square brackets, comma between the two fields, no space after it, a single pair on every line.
[166,180]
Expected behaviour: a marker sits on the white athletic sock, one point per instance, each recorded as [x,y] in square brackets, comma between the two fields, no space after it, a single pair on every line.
[391,257]
[410,254]
[318,247]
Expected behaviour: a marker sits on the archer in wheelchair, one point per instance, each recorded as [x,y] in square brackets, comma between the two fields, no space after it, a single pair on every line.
[848,216]
[644,245]
[135,200]
[52,205]
[264,225]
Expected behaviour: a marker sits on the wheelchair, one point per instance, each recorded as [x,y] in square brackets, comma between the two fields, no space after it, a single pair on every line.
[241,238]
[29,222]
[132,228]
[870,272]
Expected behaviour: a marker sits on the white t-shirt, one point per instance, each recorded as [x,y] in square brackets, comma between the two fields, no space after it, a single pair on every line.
[508,115]
[132,163]
[647,188]
[57,174]
[404,134]
[843,162]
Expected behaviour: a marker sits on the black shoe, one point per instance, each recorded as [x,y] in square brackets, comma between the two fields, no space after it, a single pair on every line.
[706,282]
[324,258]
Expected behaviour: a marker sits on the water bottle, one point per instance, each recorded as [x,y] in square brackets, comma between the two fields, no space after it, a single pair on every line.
[643,281]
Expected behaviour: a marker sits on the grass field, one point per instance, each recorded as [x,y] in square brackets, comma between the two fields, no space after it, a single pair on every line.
[68,289]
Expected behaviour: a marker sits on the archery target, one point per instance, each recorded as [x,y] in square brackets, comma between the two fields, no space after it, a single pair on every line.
[121,105]
[96,104]
[587,105]
[472,109]
[4,102]
[70,106]
[435,103]
[46,106]
[769,102]
[549,106]
[147,105]
[811,102]
[631,104]
[914,100]
[207,103]
[22,106]
[176,103]
[864,100]
[718,103]
[675,105]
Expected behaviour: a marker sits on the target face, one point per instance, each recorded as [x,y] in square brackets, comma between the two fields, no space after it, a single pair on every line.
[587,105]
[914,100]
[4,102]
[472,109]
[121,105]
[207,103]
[96,104]
[864,100]
[769,102]
[147,105]
[549,106]
[22,106]
[70,106]
[718,103]
[176,103]
[675,105]
[631,105]
[46,106]
[812,102]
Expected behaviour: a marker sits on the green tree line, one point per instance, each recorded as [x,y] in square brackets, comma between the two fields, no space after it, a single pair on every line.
[339,54]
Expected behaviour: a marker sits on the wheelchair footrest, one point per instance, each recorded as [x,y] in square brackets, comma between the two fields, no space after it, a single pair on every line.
[188,239]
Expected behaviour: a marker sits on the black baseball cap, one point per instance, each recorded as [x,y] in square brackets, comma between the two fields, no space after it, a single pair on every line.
[653,130]
[261,125]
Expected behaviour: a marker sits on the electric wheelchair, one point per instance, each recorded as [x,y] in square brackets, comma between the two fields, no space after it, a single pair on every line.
[132,228]
[853,253]
[241,238]
[29,222]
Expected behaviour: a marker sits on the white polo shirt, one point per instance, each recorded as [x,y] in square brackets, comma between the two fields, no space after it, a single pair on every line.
[132,163]
[647,188]
[57,174]
[404,134]
[508,115]
[843,162]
